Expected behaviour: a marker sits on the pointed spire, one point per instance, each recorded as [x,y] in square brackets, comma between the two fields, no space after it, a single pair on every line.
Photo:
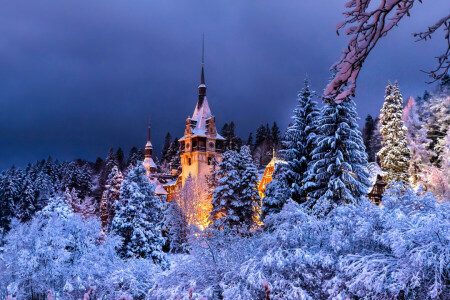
[202,86]
[202,77]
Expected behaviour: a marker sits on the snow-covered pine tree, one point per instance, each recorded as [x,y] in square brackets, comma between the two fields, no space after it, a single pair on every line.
[212,178]
[277,192]
[113,184]
[437,123]
[236,198]
[110,162]
[138,218]
[82,206]
[165,153]
[416,135]
[175,227]
[27,204]
[132,158]
[367,134]
[299,142]
[9,192]
[375,142]
[394,155]
[445,158]
[338,169]
[104,213]
[174,155]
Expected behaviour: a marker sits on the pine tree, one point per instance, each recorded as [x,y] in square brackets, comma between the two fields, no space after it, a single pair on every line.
[337,171]
[9,193]
[275,135]
[367,135]
[299,142]
[104,212]
[236,200]
[437,123]
[113,184]
[261,135]
[175,227]
[420,156]
[394,155]
[138,218]
[376,141]
[212,179]
[446,166]
[82,206]
[277,192]
[165,160]
[120,158]
[174,158]
[231,140]
[250,140]
[27,205]
[132,157]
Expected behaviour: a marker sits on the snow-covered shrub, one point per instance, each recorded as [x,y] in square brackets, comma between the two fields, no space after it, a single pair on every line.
[62,252]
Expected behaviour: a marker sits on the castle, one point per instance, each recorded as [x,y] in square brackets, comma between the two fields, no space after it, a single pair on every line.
[200,145]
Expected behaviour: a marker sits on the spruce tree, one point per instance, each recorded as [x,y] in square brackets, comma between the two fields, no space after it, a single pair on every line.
[394,155]
[236,200]
[27,205]
[277,192]
[367,134]
[174,158]
[337,171]
[138,218]
[103,210]
[299,142]
[275,135]
[113,184]
[446,165]
[376,141]
[437,124]
[165,160]
[120,156]
[175,227]
[418,143]
[250,140]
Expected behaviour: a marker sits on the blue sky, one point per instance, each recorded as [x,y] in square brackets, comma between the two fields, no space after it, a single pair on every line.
[79,77]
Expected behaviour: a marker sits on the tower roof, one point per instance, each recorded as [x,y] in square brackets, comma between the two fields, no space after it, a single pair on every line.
[149,143]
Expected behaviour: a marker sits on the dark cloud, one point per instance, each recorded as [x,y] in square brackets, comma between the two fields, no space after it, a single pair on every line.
[79,77]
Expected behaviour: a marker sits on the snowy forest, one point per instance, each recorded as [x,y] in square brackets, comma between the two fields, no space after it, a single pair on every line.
[90,230]
[96,229]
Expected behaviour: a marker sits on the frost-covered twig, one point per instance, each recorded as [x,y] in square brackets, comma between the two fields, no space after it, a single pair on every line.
[444,59]
[366,26]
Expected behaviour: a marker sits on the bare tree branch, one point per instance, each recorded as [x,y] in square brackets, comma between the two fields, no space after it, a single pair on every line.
[366,26]
[444,59]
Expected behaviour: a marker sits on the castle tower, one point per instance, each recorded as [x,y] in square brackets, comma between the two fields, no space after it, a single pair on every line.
[148,163]
[201,142]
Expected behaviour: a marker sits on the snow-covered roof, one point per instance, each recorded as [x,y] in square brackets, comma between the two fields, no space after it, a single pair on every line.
[148,162]
[149,144]
[202,113]
[171,182]
[160,190]
[374,170]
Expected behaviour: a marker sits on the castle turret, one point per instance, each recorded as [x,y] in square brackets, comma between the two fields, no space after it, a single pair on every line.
[201,142]
[149,164]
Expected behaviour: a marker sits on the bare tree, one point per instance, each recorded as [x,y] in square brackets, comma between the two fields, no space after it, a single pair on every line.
[366,26]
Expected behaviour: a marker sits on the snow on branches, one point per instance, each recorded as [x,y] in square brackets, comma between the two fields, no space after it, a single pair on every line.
[366,26]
